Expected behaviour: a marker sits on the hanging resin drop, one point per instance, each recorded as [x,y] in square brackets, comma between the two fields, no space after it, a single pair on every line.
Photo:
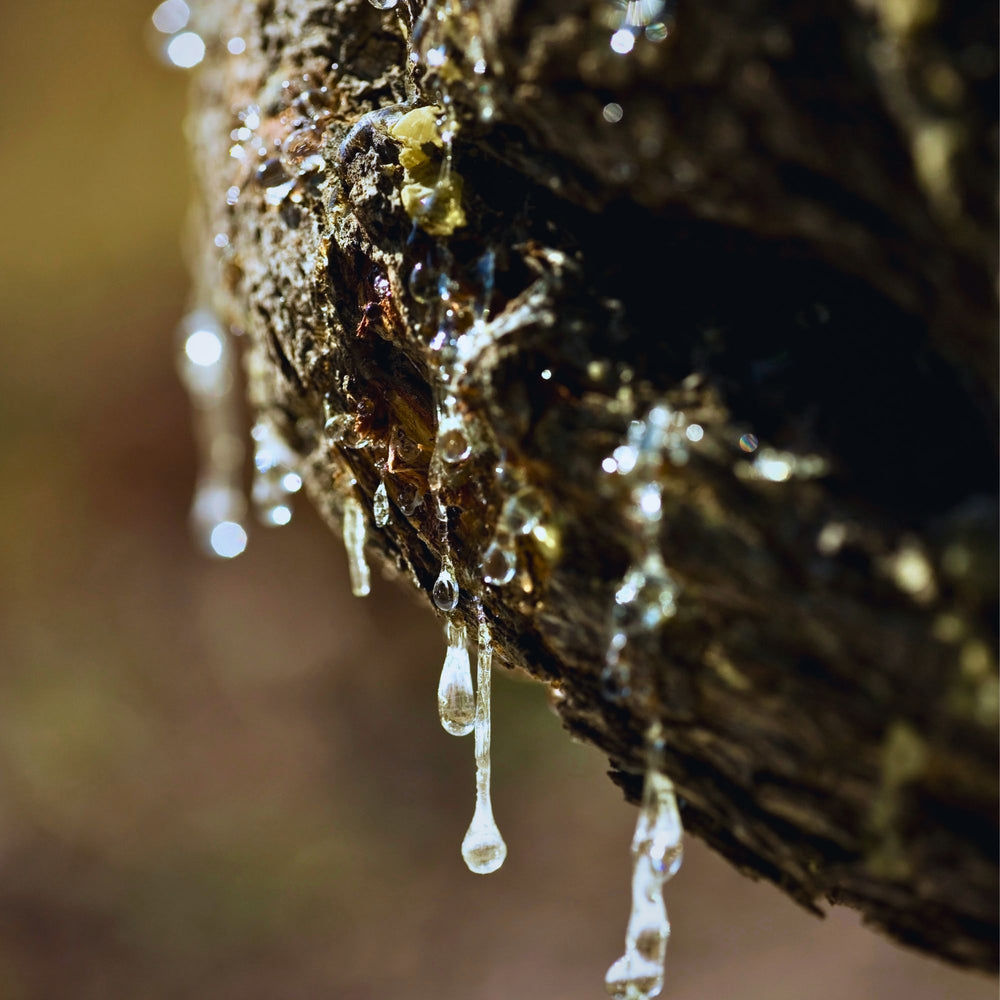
[499,561]
[523,511]
[355,530]
[483,849]
[380,506]
[445,589]
[456,701]
[657,851]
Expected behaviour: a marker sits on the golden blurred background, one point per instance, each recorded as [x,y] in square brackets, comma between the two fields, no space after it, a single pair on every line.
[228,780]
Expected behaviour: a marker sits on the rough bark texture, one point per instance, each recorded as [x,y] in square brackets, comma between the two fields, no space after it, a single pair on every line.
[790,232]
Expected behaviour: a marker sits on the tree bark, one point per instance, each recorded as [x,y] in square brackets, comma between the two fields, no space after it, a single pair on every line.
[779,221]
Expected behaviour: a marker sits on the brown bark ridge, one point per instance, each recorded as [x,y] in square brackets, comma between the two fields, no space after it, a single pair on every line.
[776,220]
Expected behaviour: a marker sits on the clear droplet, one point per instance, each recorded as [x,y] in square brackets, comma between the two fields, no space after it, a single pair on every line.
[445,590]
[523,511]
[404,447]
[456,700]
[380,506]
[453,445]
[355,530]
[342,429]
[425,283]
[749,442]
[647,596]
[483,848]
[271,173]
[409,499]
[499,563]
[383,4]
[302,142]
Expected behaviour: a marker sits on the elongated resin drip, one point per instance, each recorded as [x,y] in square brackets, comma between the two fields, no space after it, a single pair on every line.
[355,531]
[380,506]
[647,594]
[483,848]
[456,700]
[657,852]
[207,368]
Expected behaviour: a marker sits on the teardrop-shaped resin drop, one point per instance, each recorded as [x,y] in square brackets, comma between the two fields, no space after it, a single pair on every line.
[445,589]
[456,701]
[483,849]
[380,506]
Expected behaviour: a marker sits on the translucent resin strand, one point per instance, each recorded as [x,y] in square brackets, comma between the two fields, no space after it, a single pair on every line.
[483,848]
[355,532]
[657,851]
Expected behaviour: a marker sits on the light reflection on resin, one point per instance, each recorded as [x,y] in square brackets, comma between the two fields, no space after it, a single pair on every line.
[171,16]
[186,50]
[207,362]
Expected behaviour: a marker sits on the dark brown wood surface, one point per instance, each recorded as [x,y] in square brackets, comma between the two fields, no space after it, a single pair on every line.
[790,232]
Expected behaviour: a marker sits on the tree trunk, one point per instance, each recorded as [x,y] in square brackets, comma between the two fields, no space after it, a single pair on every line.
[773,226]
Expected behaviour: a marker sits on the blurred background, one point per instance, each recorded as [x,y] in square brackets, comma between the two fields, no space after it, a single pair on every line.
[228,780]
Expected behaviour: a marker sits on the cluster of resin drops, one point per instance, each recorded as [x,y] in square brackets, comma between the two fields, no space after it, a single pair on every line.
[644,599]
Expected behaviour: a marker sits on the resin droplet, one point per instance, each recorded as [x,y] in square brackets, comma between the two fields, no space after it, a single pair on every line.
[271,173]
[452,444]
[355,530]
[409,498]
[483,849]
[445,589]
[657,849]
[380,506]
[342,429]
[383,4]
[456,701]
[523,511]
[499,561]
[647,596]
[424,283]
